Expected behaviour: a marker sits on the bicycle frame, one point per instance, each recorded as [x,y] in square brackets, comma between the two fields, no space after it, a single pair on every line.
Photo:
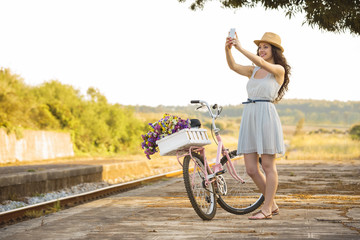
[211,173]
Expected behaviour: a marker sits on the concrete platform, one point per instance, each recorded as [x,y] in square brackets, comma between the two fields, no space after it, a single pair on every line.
[20,181]
[316,201]
[27,180]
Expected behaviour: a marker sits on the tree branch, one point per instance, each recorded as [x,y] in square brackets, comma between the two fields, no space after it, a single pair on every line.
[330,15]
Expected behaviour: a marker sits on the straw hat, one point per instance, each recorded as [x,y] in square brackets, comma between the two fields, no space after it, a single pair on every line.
[271,38]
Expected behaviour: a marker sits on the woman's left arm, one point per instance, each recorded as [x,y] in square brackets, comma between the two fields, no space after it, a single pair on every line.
[275,69]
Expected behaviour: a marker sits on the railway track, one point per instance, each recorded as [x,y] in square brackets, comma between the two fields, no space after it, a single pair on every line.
[20,214]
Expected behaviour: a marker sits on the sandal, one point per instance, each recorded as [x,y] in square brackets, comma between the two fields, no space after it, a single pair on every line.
[275,212]
[260,218]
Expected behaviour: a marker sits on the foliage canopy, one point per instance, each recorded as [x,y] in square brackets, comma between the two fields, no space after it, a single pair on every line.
[95,125]
[329,15]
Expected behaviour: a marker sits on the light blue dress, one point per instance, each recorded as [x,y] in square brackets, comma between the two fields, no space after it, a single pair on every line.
[260,128]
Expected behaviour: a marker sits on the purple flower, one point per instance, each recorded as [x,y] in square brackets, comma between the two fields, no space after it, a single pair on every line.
[169,124]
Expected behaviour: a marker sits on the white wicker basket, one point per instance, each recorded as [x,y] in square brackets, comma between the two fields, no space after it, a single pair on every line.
[182,140]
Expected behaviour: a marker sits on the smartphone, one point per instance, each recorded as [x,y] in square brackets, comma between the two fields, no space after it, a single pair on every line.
[232,33]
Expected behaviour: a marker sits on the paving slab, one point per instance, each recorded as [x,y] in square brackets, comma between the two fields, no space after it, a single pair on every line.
[317,201]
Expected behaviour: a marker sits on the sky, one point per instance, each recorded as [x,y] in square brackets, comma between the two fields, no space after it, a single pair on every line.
[159,52]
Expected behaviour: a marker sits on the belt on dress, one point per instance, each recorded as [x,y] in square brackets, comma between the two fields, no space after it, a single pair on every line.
[256,100]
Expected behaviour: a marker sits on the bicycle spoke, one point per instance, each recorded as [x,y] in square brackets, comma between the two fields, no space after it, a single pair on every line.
[201,197]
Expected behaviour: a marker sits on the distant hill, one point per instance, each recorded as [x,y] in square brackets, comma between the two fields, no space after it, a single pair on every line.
[315,112]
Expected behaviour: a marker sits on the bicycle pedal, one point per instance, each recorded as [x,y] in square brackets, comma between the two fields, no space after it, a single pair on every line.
[220,172]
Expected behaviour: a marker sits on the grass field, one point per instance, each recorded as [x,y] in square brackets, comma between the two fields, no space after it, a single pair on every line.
[323,147]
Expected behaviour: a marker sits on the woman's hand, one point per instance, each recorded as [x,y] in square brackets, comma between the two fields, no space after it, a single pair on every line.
[228,43]
[235,42]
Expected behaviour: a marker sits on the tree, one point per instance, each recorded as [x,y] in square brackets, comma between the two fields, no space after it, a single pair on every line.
[15,101]
[94,124]
[329,15]
[355,132]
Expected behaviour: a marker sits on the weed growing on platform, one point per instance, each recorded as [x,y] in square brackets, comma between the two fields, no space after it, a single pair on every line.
[39,213]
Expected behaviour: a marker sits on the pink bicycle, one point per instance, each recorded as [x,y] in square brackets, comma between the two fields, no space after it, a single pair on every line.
[224,181]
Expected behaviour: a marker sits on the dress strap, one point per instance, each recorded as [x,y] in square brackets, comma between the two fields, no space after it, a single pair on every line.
[254,71]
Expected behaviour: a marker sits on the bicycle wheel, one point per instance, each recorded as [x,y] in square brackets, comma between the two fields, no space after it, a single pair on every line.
[234,196]
[202,197]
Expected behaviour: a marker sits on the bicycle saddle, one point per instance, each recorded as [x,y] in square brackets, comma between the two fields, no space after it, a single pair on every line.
[195,123]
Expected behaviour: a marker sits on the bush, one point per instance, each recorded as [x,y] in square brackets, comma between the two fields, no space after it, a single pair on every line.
[355,132]
[95,125]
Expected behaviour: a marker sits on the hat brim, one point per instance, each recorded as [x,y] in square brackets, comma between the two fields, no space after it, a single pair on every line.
[257,42]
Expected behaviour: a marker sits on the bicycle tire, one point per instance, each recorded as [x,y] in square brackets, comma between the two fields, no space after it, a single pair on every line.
[240,198]
[202,198]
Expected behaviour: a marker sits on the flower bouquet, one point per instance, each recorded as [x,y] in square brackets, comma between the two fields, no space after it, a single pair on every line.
[168,125]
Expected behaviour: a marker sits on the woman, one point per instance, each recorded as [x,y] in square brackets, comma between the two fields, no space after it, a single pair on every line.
[260,129]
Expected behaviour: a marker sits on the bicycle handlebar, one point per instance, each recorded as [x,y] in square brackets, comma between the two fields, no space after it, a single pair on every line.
[215,107]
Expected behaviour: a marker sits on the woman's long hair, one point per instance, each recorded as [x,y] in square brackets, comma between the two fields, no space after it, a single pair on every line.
[280,59]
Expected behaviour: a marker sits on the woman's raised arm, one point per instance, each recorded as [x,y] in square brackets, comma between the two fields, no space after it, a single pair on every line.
[275,69]
[240,69]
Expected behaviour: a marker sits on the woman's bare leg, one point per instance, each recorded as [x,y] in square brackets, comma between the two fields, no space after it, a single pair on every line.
[267,185]
[253,170]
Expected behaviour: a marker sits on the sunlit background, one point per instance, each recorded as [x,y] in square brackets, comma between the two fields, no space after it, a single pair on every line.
[161,53]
